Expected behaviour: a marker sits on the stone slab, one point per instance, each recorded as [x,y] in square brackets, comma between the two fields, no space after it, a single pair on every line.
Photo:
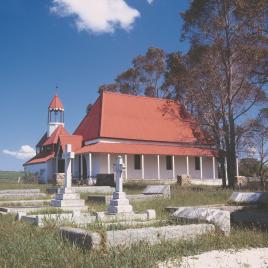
[87,189]
[157,189]
[218,217]
[19,191]
[25,202]
[130,216]
[95,189]
[80,219]
[128,237]
[249,197]
[207,182]
[105,199]
[156,235]
[23,209]
[15,196]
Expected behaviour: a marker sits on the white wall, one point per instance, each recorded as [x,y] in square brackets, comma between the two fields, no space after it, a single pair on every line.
[100,165]
[51,169]
[39,169]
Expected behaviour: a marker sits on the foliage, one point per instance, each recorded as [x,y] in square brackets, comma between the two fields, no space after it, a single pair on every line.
[30,178]
[248,167]
[145,77]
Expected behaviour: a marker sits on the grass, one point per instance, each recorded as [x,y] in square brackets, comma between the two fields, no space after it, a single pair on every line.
[180,196]
[24,245]
[49,211]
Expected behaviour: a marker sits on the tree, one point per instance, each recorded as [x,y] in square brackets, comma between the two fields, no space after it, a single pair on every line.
[256,139]
[248,167]
[145,77]
[227,79]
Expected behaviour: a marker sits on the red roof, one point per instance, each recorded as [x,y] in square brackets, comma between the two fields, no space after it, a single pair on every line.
[147,149]
[56,104]
[75,140]
[122,116]
[42,140]
[53,139]
[40,158]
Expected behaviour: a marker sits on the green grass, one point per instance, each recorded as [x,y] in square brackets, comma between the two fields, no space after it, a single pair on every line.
[180,196]
[10,176]
[24,245]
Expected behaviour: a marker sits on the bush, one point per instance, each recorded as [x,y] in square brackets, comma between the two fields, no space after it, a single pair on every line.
[30,178]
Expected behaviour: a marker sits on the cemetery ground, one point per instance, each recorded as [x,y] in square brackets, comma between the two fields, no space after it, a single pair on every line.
[26,245]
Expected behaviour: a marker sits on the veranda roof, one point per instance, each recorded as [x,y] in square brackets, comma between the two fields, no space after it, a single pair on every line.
[147,149]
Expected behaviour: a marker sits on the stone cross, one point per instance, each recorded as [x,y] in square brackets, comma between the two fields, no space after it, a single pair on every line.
[68,156]
[119,167]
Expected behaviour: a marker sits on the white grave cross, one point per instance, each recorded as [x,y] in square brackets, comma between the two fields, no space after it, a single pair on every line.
[119,167]
[68,156]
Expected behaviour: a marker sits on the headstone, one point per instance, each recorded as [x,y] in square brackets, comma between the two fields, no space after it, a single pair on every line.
[218,217]
[119,202]
[249,197]
[66,198]
[157,189]
[105,180]
[184,180]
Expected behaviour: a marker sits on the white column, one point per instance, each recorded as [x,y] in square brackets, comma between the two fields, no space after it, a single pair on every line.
[226,173]
[237,167]
[214,170]
[158,167]
[187,165]
[126,166]
[90,164]
[201,167]
[173,166]
[142,166]
[108,163]
[68,156]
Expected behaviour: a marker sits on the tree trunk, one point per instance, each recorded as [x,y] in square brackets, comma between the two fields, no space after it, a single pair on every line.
[222,170]
[231,154]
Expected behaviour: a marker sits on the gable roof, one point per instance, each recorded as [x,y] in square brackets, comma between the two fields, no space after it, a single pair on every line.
[74,140]
[53,139]
[122,116]
[56,104]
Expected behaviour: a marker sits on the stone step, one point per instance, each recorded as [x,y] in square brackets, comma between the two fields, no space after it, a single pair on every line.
[69,196]
[119,202]
[120,209]
[68,203]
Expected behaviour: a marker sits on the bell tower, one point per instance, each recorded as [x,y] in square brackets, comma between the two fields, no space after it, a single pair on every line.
[55,115]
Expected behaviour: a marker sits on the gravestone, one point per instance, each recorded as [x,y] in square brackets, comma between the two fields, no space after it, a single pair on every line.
[119,202]
[249,197]
[67,198]
[219,217]
[157,190]
[105,180]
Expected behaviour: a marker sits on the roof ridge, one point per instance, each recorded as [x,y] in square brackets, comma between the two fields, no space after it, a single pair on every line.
[139,96]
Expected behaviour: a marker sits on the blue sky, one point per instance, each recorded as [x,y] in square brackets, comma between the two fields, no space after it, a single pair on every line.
[77,45]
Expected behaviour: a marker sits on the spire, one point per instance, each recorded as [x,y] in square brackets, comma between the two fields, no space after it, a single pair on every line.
[56,104]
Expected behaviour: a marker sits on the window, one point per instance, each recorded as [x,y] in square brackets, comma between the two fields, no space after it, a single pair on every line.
[197,163]
[169,162]
[137,161]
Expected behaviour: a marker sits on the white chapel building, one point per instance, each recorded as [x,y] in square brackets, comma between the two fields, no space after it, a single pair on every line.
[157,138]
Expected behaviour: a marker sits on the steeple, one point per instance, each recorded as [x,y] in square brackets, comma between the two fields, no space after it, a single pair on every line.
[55,115]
